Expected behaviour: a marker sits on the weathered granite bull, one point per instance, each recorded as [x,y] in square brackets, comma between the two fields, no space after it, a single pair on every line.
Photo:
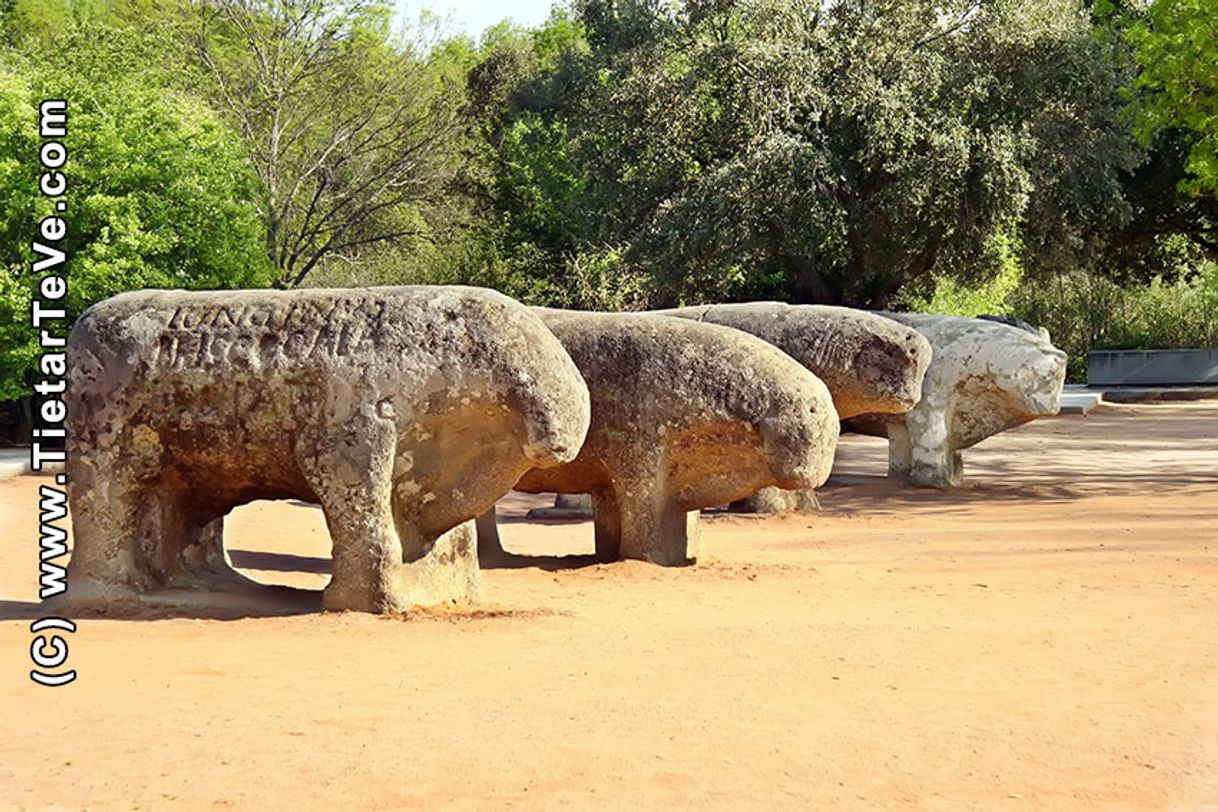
[404,412]
[684,416]
[985,377]
[870,364]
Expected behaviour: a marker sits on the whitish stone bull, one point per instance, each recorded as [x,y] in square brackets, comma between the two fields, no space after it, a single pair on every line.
[985,377]
[684,416]
[403,412]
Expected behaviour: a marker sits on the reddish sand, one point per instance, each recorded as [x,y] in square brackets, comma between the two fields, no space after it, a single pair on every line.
[1046,638]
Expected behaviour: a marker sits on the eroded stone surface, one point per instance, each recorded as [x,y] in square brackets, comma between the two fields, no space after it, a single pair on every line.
[870,364]
[684,416]
[403,412]
[985,377]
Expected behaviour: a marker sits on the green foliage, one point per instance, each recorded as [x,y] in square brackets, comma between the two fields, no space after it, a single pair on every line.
[594,279]
[158,191]
[18,217]
[601,279]
[538,184]
[355,133]
[956,156]
[809,151]
[950,297]
[1084,311]
[1177,47]
[468,256]
[26,19]
[528,183]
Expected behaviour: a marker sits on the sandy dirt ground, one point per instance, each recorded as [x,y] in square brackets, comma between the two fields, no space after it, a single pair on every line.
[1046,638]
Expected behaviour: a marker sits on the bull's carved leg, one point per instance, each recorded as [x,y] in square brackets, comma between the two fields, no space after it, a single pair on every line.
[137,535]
[637,517]
[805,501]
[918,455]
[900,452]
[918,445]
[937,468]
[955,468]
[351,472]
[929,463]
[447,569]
[660,532]
[202,562]
[639,521]
[490,546]
[114,533]
[607,525]
[686,534]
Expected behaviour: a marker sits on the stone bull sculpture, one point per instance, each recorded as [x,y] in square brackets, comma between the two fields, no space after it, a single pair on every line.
[684,416]
[985,378]
[870,364]
[403,412]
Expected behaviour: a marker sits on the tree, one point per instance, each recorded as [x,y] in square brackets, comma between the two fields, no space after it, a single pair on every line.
[159,194]
[18,195]
[354,135]
[1176,43]
[826,152]
[526,177]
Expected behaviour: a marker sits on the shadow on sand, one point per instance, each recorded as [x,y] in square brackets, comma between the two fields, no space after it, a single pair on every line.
[280,562]
[548,563]
[254,602]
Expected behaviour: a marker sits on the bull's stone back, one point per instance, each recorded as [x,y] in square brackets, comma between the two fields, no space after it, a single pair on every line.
[869,363]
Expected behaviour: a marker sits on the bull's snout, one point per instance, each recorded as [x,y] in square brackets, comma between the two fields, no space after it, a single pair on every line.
[557,418]
[894,369]
[800,445]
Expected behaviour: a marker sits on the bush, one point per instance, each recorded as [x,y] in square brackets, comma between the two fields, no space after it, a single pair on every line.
[1085,312]
[591,279]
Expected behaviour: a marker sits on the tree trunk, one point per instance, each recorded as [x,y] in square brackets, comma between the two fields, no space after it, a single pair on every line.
[21,413]
[806,285]
[921,265]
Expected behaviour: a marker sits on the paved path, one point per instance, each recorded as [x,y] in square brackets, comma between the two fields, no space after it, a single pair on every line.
[16,461]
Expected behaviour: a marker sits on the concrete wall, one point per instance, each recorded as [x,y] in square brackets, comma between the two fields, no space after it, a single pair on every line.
[1152,367]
